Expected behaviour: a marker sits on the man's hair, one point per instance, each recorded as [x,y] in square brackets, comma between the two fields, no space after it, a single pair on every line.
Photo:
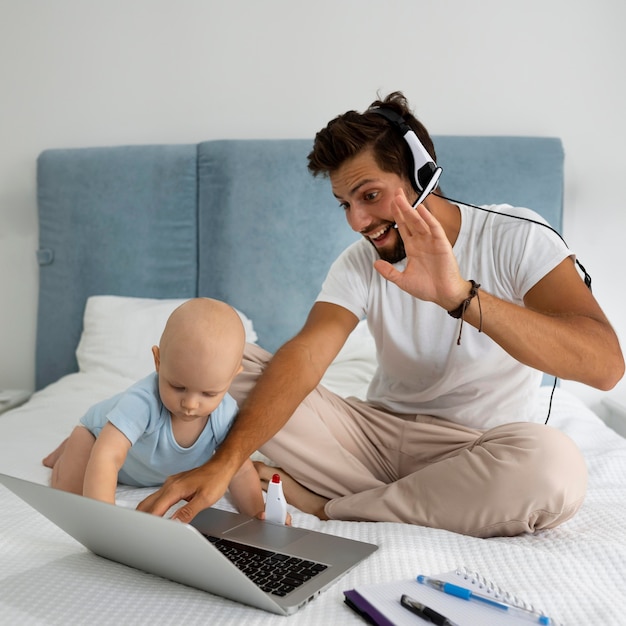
[349,134]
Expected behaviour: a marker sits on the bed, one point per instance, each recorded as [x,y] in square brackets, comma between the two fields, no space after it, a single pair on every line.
[126,233]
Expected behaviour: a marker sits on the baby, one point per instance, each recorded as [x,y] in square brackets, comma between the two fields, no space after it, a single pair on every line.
[171,421]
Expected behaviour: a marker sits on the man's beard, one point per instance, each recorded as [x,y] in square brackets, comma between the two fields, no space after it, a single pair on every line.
[395,255]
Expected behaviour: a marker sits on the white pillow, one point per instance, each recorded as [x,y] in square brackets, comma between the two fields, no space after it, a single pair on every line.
[119,332]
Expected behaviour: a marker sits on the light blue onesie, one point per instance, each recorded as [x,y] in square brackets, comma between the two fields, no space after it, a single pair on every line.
[154,455]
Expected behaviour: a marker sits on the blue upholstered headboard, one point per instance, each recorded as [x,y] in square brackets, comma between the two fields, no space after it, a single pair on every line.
[239,220]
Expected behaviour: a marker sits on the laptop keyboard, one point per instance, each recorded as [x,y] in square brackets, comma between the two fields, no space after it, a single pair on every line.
[273,572]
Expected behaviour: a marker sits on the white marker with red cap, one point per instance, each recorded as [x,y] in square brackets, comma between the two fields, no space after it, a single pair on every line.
[275,503]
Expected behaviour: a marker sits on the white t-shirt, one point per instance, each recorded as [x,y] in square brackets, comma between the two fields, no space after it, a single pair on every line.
[421,369]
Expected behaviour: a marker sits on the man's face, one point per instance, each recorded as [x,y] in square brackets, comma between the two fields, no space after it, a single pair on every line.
[365,193]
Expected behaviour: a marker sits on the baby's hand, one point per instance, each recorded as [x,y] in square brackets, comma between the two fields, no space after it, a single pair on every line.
[261,516]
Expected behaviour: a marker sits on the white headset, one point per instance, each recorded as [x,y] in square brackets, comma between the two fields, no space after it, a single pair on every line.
[424,172]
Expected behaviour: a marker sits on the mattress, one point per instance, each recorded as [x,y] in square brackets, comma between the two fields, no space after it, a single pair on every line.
[573,572]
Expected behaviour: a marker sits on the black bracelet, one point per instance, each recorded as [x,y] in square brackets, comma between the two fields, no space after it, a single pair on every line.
[459,312]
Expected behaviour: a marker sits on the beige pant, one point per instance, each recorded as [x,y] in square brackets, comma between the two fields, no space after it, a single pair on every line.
[378,466]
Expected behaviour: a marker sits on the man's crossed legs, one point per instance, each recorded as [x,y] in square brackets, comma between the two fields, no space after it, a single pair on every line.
[345,459]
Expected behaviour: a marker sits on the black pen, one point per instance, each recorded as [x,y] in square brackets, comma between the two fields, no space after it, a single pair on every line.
[425,612]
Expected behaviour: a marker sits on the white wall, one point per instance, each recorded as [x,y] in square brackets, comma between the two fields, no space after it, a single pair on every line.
[82,73]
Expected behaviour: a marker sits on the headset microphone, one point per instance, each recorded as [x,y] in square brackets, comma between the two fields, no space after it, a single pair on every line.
[424,172]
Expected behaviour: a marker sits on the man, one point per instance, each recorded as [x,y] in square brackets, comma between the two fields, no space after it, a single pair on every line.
[446,437]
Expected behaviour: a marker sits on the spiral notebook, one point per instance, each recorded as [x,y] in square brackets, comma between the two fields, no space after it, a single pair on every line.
[380,603]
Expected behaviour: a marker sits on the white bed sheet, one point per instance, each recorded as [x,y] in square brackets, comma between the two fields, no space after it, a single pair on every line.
[574,572]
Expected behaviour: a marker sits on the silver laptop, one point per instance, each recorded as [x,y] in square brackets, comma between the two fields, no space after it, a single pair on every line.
[203,554]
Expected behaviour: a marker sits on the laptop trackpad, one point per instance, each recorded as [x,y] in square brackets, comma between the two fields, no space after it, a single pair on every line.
[235,526]
[266,534]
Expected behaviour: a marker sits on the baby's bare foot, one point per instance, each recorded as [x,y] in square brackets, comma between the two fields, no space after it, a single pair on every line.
[53,457]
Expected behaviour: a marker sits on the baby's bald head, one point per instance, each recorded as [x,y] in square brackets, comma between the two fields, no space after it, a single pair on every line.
[207,334]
